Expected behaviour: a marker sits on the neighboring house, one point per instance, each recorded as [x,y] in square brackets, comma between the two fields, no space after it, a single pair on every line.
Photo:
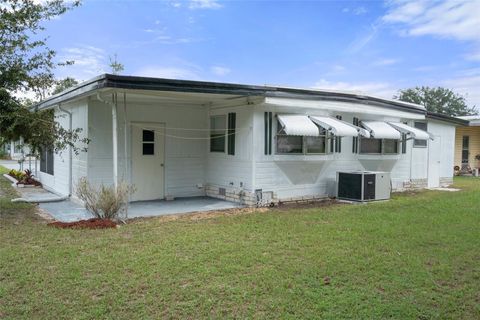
[175,138]
[467,143]
[16,149]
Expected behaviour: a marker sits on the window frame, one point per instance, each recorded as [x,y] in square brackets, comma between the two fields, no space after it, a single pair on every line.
[382,147]
[148,141]
[224,116]
[420,143]
[327,136]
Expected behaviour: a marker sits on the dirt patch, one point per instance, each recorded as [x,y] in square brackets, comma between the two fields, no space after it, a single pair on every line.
[93,223]
[203,215]
[306,204]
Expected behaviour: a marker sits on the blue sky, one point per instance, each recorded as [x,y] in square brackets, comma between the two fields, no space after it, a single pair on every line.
[374,47]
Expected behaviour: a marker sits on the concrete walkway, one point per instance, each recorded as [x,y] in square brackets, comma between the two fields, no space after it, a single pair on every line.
[68,211]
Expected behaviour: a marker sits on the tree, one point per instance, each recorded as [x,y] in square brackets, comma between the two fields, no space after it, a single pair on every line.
[439,100]
[64,84]
[115,65]
[27,65]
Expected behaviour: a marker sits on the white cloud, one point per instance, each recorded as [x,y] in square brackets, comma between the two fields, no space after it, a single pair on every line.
[89,61]
[204,4]
[356,11]
[381,89]
[170,72]
[455,19]
[359,11]
[220,71]
[385,62]
[467,85]
[360,42]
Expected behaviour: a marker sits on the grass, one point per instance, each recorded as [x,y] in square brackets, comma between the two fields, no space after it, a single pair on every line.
[415,256]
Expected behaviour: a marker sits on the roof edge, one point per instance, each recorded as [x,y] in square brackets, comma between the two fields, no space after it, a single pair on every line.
[446,118]
[162,84]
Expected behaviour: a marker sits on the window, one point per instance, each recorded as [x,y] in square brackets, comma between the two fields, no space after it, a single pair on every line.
[370,145]
[46,160]
[217,133]
[148,142]
[302,144]
[268,132]
[421,126]
[232,119]
[289,144]
[390,146]
[378,146]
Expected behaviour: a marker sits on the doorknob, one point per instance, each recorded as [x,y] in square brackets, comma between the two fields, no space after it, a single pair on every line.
[161,165]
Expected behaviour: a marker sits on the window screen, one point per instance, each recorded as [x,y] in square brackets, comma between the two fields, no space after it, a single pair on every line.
[46,160]
[370,145]
[217,133]
[390,146]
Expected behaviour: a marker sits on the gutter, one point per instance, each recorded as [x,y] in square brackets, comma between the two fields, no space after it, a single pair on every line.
[188,86]
[446,118]
[70,152]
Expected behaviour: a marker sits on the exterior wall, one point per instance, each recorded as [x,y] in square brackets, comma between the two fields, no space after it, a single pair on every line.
[233,172]
[474,134]
[294,176]
[59,181]
[192,170]
[185,154]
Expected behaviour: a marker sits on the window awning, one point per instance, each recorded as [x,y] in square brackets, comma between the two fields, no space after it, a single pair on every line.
[381,130]
[335,126]
[414,132]
[298,125]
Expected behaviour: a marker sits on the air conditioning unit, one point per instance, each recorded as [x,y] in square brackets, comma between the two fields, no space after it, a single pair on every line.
[363,185]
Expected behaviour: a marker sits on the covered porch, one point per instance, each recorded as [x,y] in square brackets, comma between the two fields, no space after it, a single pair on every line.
[69,211]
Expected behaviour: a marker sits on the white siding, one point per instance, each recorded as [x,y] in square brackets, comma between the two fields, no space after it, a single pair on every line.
[233,171]
[184,153]
[59,182]
[307,175]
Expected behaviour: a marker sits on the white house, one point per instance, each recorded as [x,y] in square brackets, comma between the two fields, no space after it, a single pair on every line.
[176,138]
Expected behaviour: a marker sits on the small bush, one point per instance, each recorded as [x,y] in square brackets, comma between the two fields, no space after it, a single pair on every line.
[17,174]
[104,202]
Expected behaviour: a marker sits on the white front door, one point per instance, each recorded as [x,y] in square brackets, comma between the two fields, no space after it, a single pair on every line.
[434,155]
[148,174]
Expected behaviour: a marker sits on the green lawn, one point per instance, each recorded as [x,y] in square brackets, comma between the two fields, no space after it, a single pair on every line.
[414,257]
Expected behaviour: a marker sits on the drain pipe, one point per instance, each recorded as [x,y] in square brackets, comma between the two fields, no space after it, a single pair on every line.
[70,151]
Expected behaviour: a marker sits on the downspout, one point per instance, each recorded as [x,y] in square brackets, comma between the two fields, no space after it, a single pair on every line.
[70,151]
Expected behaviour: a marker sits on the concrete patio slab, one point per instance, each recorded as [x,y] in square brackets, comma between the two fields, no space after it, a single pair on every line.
[68,211]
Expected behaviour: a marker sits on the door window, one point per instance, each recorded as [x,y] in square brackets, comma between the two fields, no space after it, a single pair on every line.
[148,142]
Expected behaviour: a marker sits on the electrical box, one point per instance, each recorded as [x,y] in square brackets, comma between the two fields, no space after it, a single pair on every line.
[363,185]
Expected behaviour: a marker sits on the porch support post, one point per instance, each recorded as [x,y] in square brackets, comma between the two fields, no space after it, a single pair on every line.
[115,140]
